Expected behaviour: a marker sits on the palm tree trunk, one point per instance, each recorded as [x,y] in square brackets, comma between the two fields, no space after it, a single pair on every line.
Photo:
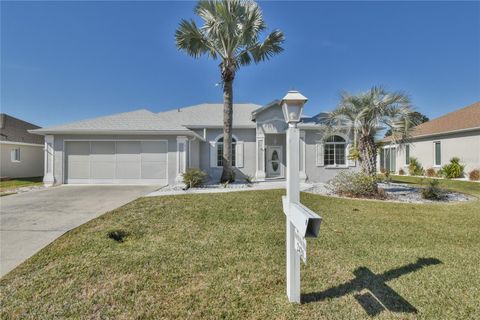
[227,174]
[368,155]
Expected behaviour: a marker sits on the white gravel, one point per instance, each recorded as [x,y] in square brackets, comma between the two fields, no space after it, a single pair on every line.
[398,192]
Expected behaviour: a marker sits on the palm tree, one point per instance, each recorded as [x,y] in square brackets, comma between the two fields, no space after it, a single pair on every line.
[369,112]
[231,33]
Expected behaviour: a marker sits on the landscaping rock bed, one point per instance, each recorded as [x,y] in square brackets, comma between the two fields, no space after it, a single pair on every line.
[394,191]
[398,192]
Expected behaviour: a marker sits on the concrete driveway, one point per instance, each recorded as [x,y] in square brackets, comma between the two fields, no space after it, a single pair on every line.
[31,220]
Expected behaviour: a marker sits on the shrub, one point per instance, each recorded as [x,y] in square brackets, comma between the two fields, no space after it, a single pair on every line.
[401,172]
[248,179]
[415,168]
[193,177]
[453,170]
[430,172]
[432,191]
[354,184]
[474,175]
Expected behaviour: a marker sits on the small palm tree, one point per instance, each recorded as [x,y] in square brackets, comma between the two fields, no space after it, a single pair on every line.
[231,33]
[369,112]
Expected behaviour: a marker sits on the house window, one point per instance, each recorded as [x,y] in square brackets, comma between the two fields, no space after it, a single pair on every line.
[438,154]
[15,155]
[220,152]
[407,154]
[334,153]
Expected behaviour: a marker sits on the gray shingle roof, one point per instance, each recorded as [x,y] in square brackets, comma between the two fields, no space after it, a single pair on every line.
[15,130]
[210,115]
[139,120]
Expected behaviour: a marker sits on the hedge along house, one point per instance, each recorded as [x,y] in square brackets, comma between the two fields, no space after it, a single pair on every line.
[142,147]
[434,143]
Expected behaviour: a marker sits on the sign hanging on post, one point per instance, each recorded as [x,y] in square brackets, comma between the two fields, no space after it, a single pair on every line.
[301,246]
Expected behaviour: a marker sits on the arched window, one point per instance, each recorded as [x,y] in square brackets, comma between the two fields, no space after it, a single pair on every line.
[220,152]
[335,150]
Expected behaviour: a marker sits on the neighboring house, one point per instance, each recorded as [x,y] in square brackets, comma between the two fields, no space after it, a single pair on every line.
[145,147]
[21,152]
[434,143]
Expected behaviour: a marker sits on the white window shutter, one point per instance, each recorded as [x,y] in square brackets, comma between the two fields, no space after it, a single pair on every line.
[319,152]
[213,154]
[239,154]
[351,162]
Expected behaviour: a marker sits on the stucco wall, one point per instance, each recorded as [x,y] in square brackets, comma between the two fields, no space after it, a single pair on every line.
[30,165]
[249,143]
[58,165]
[465,146]
[319,173]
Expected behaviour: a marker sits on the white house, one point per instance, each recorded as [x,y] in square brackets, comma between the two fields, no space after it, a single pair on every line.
[145,147]
[434,143]
[21,153]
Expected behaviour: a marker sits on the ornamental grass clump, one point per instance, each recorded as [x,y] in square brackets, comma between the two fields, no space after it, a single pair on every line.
[474,175]
[430,172]
[355,184]
[194,178]
[432,191]
[453,170]
[415,167]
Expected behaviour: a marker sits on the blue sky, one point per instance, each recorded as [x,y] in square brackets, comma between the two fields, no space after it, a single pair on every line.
[66,61]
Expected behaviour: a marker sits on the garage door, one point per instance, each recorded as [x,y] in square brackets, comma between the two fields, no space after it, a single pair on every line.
[136,162]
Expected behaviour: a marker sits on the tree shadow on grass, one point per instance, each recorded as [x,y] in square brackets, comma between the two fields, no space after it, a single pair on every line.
[373,294]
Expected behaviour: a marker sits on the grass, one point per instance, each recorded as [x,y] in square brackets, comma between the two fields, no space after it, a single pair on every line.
[9,185]
[223,256]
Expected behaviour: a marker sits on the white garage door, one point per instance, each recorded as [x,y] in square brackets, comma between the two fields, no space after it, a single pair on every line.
[138,162]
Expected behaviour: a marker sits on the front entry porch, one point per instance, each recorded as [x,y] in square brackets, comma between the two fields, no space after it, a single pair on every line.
[272,156]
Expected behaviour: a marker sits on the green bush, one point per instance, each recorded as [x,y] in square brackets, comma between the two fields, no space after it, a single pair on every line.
[452,170]
[474,175]
[415,168]
[432,191]
[354,184]
[193,177]
[249,179]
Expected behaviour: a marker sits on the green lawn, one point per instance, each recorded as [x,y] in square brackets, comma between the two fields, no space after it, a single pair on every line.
[223,256]
[13,184]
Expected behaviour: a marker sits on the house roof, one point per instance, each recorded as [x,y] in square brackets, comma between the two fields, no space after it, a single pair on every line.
[265,107]
[16,130]
[463,119]
[206,115]
[135,121]
[210,115]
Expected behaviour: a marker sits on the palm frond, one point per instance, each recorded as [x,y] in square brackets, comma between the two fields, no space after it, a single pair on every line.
[271,46]
[190,39]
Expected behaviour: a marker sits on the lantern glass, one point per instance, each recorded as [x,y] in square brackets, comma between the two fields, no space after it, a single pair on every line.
[292,106]
[292,111]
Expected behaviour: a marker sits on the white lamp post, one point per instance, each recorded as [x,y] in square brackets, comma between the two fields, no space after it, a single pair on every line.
[301,222]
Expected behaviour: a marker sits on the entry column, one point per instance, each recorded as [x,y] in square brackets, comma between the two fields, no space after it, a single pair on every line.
[181,158]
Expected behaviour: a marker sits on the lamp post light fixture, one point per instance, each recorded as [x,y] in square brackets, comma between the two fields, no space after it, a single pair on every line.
[300,221]
[292,106]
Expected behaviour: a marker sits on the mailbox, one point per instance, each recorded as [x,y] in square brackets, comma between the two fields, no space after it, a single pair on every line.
[306,222]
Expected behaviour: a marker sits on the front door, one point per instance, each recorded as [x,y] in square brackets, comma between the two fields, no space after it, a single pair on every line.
[274,161]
